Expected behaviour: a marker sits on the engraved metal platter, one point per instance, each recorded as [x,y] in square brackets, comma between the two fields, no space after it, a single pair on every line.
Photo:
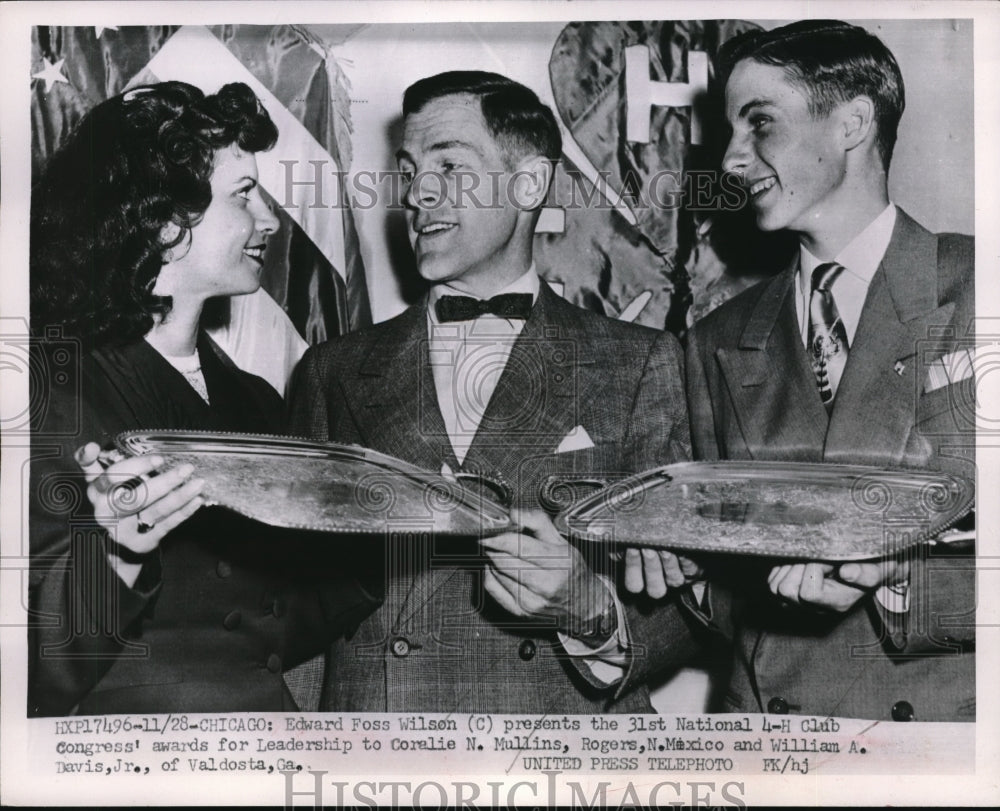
[300,484]
[800,510]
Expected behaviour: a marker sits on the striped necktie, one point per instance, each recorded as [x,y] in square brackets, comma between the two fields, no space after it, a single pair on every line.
[827,336]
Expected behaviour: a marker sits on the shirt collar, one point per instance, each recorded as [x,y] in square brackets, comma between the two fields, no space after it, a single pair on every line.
[528,282]
[861,256]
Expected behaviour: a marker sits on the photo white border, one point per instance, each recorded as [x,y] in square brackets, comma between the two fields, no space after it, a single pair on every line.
[20,784]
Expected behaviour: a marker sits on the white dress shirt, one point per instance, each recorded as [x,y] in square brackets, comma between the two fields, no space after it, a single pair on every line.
[468,357]
[860,258]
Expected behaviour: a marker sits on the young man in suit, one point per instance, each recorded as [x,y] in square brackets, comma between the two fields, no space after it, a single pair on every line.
[855,354]
[494,373]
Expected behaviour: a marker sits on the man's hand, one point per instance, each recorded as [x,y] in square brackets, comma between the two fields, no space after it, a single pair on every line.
[535,572]
[656,570]
[828,587]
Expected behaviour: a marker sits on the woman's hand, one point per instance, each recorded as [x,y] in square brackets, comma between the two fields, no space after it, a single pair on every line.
[137,501]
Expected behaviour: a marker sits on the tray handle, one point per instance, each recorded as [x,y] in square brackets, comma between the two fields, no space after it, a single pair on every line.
[500,490]
[558,493]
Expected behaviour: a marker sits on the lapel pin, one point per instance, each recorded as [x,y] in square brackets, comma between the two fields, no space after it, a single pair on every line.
[899,368]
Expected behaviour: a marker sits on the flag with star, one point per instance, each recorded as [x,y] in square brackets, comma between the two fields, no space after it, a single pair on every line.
[314,281]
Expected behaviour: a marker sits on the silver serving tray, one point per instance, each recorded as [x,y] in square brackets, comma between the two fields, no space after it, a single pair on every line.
[791,510]
[300,484]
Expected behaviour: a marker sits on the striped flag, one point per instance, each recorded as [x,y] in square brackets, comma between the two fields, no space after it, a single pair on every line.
[313,281]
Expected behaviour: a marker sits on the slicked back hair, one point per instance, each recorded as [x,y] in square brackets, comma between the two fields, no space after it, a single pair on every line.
[519,122]
[833,62]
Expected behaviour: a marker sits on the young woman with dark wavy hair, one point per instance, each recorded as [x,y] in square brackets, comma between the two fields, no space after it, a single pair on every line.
[149,211]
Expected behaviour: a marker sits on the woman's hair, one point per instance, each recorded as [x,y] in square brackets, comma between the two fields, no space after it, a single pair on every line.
[134,163]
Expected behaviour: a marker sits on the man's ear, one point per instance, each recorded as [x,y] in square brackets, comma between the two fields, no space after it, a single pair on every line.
[529,184]
[858,121]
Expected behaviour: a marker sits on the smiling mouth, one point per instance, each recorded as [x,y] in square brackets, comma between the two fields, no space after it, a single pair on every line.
[435,228]
[758,187]
[255,252]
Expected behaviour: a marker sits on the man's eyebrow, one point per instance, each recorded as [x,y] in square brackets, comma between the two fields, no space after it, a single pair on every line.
[439,146]
[746,108]
[452,144]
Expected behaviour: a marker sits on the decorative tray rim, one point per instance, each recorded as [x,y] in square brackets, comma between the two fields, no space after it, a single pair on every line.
[291,446]
[568,522]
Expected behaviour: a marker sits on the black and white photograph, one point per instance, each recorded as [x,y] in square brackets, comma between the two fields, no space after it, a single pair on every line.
[478,404]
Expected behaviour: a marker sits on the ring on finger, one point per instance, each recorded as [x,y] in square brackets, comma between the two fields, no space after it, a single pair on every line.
[144,527]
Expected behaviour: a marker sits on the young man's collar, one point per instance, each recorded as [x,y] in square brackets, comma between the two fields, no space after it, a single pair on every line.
[861,256]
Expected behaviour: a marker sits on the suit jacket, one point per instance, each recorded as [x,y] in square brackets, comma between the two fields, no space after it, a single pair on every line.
[220,610]
[440,643]
[752,395]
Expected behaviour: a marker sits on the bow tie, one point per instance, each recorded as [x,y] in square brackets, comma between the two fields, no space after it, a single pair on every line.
[465,308]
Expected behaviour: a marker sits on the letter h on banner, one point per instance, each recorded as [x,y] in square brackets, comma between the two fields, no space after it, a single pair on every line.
[642,93]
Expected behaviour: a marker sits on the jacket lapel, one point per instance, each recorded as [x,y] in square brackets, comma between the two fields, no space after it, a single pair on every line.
[396,409]
[534,404]
[875,406]
[529,413]
[771,384]
[393,399]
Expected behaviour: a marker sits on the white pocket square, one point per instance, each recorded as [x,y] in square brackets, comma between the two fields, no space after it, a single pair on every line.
[951,368]
[575,440]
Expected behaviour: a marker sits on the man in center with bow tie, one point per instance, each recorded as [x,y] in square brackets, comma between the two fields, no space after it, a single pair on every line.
[493,373]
